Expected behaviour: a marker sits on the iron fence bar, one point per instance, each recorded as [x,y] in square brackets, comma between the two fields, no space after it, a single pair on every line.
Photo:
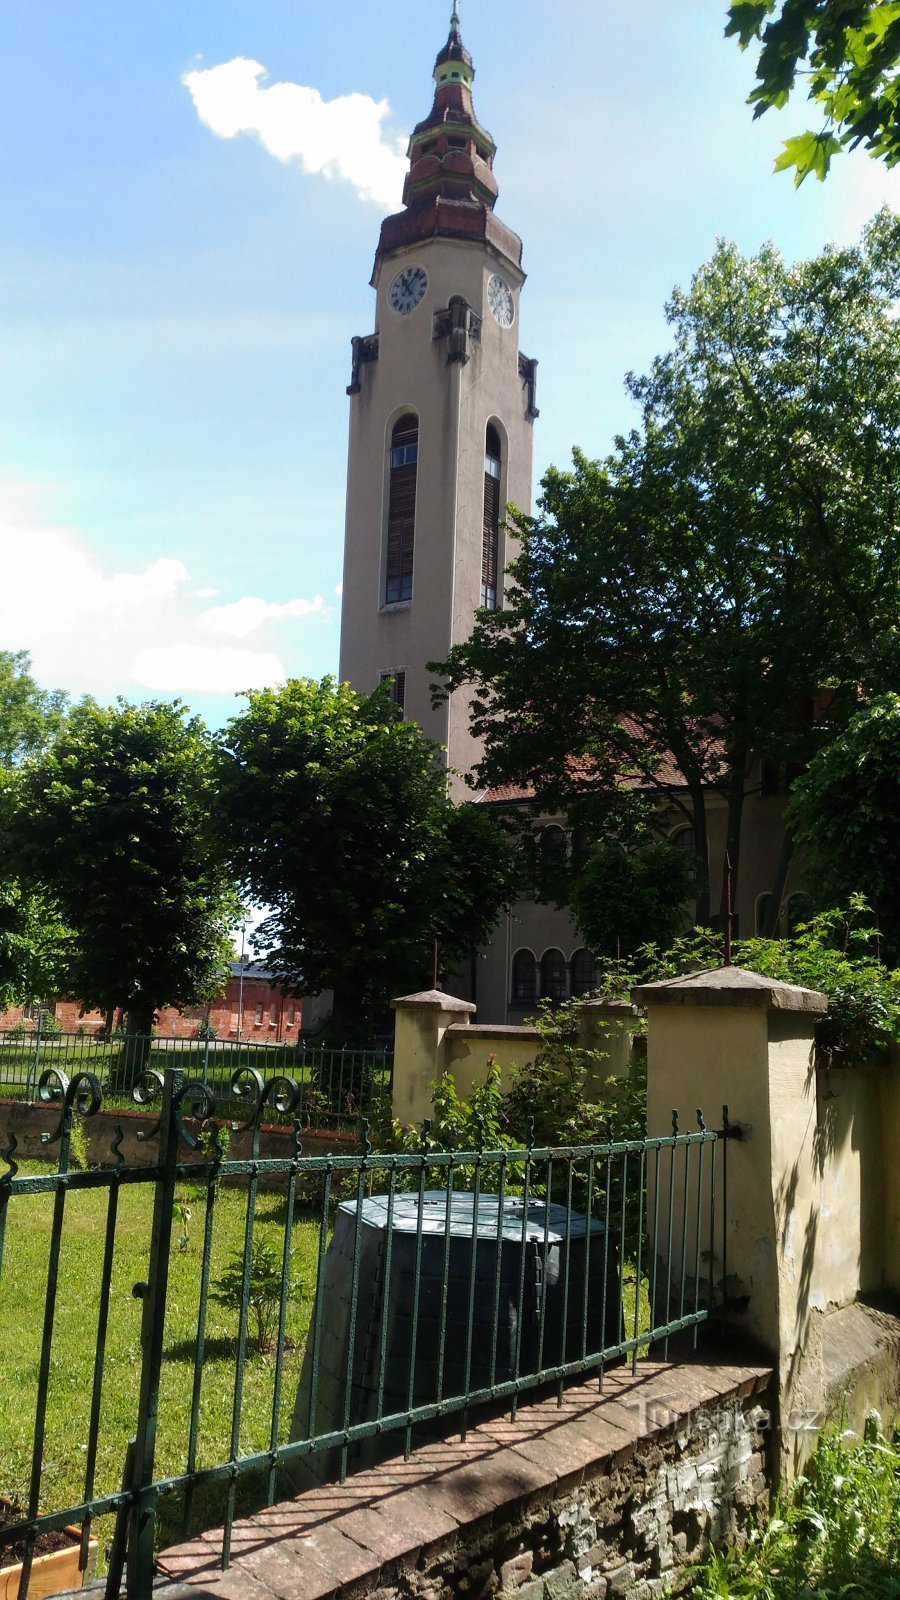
[588,1240]
[212,1189]
[385,1293]
[445,1286]
[638,1265]
[606,1223]
[470,1317]
[414,1318]
[495,1319]
[319,1300]
[671,1216]
[565,1301]
[241,1352]
[40,1421]
[99,1363]
[523,1257]
[699,1228]
[354,1310]
[286,1266]
[139,1556]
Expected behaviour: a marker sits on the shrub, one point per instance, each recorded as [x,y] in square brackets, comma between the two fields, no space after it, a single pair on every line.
[266,1279]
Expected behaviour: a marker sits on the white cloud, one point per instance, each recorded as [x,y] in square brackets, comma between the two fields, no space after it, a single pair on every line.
[244,616]
[342,138]
[339,589]
[94,628]
[182,668]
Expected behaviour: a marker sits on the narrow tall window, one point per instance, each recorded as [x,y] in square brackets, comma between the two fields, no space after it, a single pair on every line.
[490,549]
[554,978]
[524,978]
[584,973]
[402,510]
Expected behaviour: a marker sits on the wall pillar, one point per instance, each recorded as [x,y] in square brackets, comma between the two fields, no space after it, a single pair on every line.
[421,1022]
[733,1037]
[606,1027]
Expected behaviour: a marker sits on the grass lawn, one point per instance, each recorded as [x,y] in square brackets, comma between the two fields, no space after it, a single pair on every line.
[23,1288]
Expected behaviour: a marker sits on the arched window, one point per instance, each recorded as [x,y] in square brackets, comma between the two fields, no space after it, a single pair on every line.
[685,839]
[553,848]
[524,978]
[490,549]
[584,973]
[797,912]
[554,983]
[401,530]
[763,907]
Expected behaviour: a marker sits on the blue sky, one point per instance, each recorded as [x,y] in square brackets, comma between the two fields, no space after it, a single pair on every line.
[176,303]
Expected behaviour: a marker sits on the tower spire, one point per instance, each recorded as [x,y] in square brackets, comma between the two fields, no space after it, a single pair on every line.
[454,20]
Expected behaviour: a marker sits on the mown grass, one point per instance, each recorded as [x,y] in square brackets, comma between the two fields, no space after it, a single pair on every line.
[23,1287]
[836,1534]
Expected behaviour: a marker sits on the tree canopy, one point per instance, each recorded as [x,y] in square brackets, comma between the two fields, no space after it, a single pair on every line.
[846,51]
[676,609]
[845,812]
[29,715]
[338,819]
[114,821]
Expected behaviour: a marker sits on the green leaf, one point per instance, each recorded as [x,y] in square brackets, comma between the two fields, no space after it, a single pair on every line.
[808,152]
[745,20]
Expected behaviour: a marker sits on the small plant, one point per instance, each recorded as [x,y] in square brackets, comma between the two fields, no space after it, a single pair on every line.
[205,1030]
[265,1286]
[78,1147]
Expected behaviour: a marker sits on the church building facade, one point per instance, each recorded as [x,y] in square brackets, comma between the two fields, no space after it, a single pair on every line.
[442,413]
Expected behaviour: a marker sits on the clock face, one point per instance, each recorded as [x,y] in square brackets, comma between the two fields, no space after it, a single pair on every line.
[408,290]
[501,302]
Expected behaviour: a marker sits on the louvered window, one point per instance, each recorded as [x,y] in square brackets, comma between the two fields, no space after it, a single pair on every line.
[397,682]
[490,548]
[402,510]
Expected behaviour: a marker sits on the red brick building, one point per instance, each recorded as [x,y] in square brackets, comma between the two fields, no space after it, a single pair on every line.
[252,1007]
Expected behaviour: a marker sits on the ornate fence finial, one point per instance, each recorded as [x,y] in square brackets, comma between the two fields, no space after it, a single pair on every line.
[675,1124]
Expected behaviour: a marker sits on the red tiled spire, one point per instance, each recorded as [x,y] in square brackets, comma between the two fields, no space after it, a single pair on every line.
[450,190]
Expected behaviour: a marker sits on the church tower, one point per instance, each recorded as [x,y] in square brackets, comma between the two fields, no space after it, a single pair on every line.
[441,419]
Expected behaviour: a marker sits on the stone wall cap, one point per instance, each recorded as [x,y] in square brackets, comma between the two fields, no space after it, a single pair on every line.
[433,1000]
[730,986]
[610,1003]
[495,1030]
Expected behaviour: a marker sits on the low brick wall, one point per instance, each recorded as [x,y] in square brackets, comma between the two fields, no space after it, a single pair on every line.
[29,1122]
[606,1497]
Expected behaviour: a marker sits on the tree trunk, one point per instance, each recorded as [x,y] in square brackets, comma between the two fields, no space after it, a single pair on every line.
[770,927]
[134,1054]
[701,850]
[736,793]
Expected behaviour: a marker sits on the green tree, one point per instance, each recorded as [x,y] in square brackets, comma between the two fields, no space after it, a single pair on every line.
[32,937]
[338,819]
[847,52]
[115,821]
[844,814]
[675,609]
[621,898]
[29,715]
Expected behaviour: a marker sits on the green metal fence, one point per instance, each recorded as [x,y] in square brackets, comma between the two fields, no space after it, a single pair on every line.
[622,1249]
[339,1084]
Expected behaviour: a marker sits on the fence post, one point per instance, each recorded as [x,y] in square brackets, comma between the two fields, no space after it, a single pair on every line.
[31,1088]
[142,1523]
[733,1036]
[422,1021]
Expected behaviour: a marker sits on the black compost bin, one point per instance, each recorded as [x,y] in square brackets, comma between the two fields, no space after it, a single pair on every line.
[498,1297]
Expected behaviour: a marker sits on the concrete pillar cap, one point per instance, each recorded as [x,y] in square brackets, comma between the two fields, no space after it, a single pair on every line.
[730,986]
[433,1000]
